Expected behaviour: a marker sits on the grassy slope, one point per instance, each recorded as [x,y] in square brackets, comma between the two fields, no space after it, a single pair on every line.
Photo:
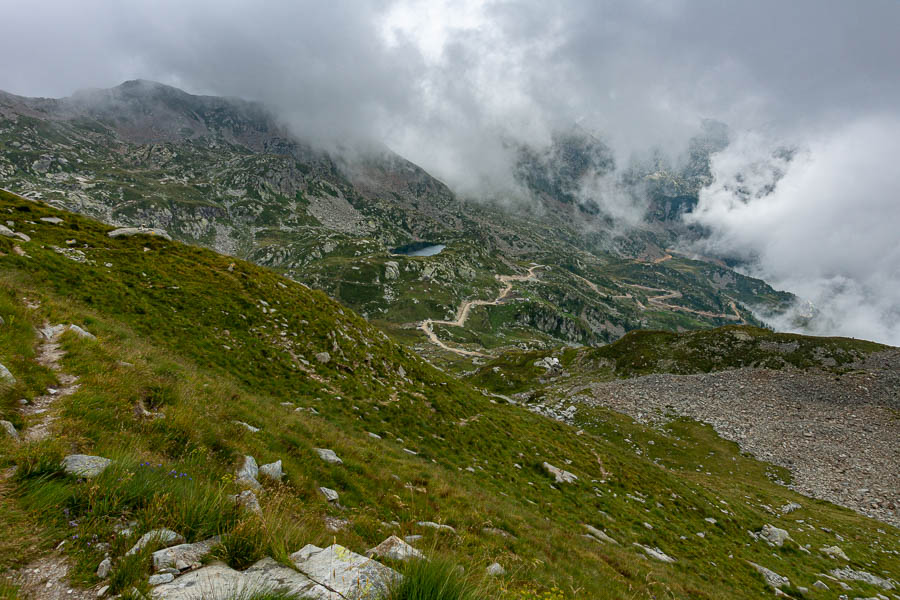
[169,312]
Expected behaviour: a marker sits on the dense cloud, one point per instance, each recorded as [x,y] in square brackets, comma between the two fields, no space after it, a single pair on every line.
[455,85]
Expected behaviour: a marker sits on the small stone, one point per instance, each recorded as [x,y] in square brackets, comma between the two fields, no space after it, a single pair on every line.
[248,472]
[599,534]
[412,538]
[330,494]
[820,585]
[495,570]
[328,456]
[438,526]
[323,357]
[374,435]
[395,549]
[84,465]
[52,220]
[160,578]
[655,553]
[102,591]
[772,578]
[81,332]
[272,470]
[182,556]
[104,568]
[835,552]
[248,500]
[248,426]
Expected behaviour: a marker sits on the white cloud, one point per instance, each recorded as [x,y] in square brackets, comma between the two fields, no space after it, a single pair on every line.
[824,225]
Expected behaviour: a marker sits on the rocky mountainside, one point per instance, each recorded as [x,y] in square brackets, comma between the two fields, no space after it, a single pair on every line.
[178,424]
[226,174]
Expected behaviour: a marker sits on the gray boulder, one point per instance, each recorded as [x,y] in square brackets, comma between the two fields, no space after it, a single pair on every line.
[85,465]
[272,470]
[52,220]
[160,578]
[835,552]
[599,535]
[391,270]
[81,332]
[774,536]
[130,231]
[655,553]
[849,574]
[395,549]
[328,456]
[495,570]
[323,357]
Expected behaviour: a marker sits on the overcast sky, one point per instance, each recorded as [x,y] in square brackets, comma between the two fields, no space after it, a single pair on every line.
[444,82]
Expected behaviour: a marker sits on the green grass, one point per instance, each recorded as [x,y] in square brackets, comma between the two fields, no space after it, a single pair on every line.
[433,580]
[163,319]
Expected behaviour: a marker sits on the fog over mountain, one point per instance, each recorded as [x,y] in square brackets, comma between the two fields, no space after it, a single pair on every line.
[805,195]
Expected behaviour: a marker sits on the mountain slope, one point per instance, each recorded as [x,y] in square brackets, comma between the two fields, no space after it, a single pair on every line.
[188,342]
[226,174]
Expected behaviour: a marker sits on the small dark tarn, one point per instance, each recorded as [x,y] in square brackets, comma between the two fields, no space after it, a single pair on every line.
[419,249]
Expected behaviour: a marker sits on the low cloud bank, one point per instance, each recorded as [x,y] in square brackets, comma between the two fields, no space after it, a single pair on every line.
[821,220]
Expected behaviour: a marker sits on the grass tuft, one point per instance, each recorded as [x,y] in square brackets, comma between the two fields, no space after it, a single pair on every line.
[434,580]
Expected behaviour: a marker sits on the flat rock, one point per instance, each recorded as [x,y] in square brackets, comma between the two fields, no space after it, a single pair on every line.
[6,376]
[599,534]
[220,582]
[351,575]
[849,574]
[655,553]
[772,578]
[561,475]
[395,549]
[130,231]
[9,429]
[81,332]
[328,456]
[272,470]
[84,465]
[248,426]
[183,556]
[160,578]
[163,537]
[52,220]
[438,526]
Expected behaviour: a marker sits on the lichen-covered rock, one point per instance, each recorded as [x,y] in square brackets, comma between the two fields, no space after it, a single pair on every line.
[247,499]
[85,465]
[772,578]
[104,568]
[835,552]
[349,574]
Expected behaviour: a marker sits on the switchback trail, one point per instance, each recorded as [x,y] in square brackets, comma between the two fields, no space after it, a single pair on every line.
[462,315]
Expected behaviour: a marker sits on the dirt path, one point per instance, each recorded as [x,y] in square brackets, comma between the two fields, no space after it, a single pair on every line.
[660,301]
[462,314]
[49,355]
